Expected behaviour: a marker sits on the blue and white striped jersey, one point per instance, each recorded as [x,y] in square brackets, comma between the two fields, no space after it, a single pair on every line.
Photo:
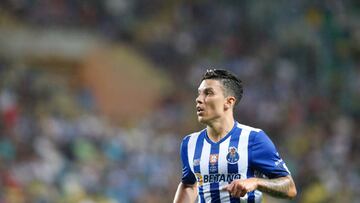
[243,152]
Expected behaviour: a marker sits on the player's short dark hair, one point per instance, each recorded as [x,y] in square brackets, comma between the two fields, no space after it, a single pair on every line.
[232,85]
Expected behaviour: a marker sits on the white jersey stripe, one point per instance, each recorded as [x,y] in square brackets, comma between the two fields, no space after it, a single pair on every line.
[204,168]
[243,152]
[245,127]
[258,196]
[191,149]
[223,169]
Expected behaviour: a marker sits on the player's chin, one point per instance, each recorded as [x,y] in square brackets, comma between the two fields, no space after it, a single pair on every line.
[202,120]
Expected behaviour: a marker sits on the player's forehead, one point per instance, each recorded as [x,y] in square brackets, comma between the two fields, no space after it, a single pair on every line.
[210,84]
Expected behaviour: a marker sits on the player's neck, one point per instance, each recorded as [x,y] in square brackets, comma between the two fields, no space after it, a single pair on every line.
[220,128]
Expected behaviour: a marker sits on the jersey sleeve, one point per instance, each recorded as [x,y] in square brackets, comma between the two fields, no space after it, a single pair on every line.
[264,158]
[188,176]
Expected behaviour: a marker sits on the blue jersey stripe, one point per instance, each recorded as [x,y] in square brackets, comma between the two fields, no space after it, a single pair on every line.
[233,168]
[201,194]
[184,146]
[234,142]
[197,156]
[187,176]
[213,169]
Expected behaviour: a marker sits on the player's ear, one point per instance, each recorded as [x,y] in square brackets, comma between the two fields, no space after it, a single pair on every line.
[230,102]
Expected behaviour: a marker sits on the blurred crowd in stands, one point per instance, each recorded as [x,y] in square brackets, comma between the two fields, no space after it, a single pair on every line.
[299,61]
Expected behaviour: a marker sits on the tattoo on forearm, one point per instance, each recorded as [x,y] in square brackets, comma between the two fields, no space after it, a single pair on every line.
[278,187]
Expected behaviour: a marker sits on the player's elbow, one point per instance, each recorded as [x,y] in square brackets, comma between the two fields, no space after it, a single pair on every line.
[292,192]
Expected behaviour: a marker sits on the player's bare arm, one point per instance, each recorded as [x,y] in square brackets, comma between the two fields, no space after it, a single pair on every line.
[283,187]
[185,193]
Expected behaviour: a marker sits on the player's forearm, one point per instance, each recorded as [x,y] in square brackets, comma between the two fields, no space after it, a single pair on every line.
[283,187]
[185,193]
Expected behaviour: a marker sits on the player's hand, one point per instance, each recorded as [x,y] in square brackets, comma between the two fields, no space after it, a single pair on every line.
[239,188]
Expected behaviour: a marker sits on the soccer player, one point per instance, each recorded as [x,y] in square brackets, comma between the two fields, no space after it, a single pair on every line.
[228,161]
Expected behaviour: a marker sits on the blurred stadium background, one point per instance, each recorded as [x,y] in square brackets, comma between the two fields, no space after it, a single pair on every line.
[95,96]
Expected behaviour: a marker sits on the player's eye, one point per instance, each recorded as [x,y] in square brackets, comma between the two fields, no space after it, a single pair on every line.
[208,92]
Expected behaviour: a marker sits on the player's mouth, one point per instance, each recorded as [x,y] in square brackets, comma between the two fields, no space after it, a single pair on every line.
[199,111]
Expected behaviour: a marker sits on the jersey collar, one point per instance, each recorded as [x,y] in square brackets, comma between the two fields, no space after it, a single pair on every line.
[222,139]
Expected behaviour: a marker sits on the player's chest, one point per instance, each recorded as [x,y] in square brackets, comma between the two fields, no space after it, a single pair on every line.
[223,159]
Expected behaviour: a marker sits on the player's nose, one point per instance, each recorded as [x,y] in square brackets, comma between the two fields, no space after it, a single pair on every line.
[199,99]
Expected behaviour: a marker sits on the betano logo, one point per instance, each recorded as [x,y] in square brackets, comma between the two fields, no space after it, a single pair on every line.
[216,178]
[199,178]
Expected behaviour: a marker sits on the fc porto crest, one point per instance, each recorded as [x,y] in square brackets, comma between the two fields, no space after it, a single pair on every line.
[233,156]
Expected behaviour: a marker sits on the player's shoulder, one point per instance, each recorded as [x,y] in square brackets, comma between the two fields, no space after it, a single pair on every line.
[248,128]
[190,140]
[193,135]
[256,136]
[254,133]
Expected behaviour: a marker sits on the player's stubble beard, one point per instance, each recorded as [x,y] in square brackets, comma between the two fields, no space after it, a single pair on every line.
[207,119]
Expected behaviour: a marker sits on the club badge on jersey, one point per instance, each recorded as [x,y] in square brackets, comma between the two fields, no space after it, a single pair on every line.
[233,156]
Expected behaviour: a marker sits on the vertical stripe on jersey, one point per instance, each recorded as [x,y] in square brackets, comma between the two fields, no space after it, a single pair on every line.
[243,152]
[233,168]
[197,156]
[204,168]
[188,176]
[191,149]
[234,142]
[254,196]
[223,168]
[213,169]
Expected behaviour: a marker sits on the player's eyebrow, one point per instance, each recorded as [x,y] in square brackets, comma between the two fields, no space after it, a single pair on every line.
[206,89]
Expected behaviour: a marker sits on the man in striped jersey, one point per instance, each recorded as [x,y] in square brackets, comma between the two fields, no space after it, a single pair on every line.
[230,162]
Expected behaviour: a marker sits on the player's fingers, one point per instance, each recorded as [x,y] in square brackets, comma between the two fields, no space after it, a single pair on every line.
[237,190]
[230,187]
[239,186]
[237,193]
[224,188]
[243,193]
[233,193]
